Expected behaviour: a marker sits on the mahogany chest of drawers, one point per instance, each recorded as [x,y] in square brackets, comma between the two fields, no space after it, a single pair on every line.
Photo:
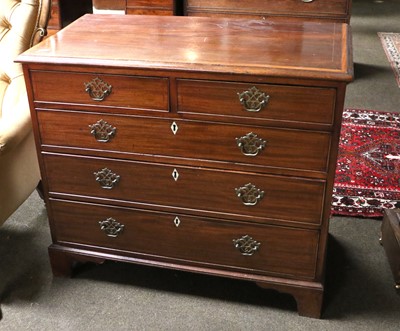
[326,10]
[194,143]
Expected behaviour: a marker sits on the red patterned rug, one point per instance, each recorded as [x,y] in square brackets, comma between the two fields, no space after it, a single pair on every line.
[368,167]
[391,44]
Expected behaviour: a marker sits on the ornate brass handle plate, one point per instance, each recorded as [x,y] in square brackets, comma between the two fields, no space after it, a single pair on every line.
[98,89]
[250,144]
[111,227]
[253,99]
[246,245]
[106,178]
[249,194]
[102,131]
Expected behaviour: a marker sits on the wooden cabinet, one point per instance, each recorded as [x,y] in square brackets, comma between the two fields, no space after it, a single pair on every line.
[190,152]
[327,10]
[63,12]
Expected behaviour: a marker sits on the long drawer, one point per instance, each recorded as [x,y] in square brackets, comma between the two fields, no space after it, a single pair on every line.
[237,194]
[100,90]
[232,245]
[246,145]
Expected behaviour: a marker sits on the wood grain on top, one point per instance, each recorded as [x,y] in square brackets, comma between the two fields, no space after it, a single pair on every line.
[290,49]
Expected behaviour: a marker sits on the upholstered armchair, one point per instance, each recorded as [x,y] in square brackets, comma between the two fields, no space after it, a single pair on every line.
[22,24]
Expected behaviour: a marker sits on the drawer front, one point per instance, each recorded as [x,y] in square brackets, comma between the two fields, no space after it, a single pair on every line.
[101,90]
[152,7]
[291,149]
[262,102]
[240,195]
[109,4]
[284,251]
[281,7]
[149,11]
[167,4]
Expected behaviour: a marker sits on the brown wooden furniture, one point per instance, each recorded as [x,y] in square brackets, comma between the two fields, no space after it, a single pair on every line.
[326,10]
[210,148]
[54,21]
[391,242]
[109,4]
[63,12]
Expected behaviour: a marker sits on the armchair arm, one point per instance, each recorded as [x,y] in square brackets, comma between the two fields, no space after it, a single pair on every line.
[15,120]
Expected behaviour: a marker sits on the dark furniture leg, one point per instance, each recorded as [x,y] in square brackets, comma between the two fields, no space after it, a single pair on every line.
[309,299]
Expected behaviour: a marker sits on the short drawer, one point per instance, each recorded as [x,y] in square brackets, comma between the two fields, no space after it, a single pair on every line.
[231,245]
[237,194]
[100,90]
[247,145]
[149,11]
[260,101]
[150,7]
[167,4]
[281,7]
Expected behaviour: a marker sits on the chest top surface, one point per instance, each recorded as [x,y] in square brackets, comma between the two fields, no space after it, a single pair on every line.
[257,47]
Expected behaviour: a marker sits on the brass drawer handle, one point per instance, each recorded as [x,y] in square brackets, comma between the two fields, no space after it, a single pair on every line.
[253,99]
[307,1]
[106,178]
[102,131]
[246,245]
[250,144]
[111,227]
[249,194]
[98,89]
